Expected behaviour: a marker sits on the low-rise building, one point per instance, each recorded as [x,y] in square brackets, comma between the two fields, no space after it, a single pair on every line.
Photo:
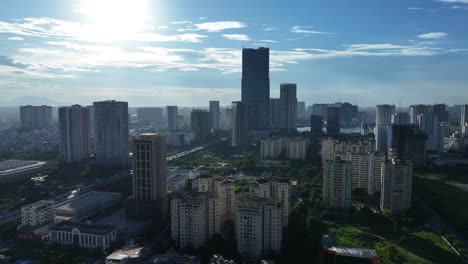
[18,170]
[83,235]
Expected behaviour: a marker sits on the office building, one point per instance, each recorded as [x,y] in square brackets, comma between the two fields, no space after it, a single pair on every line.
[337,178]
[275,113]
[74,129]
[316,125]
[288,108]
[150,115]
[402,118]
[111,133]
[396,186]
[214,115]
[149,176]
[407,144]
[271,148]
[297,148]
[429,124]
[277,189]
[258,227]
[420,109]
[333,120]
[35,117]
[240,124]
[195,219]
[383,118]
[256,86]
[464,119]
[172,117]
[89,236]
[440,110]
[200,124]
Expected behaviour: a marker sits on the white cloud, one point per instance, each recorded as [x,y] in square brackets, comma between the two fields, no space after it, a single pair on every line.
[202,18]
[307,30]
[268,41]
[453,1]
[270,29]
[16,38]
[239,37]
[219,26]
[432,35]
[415,8]
[181,22]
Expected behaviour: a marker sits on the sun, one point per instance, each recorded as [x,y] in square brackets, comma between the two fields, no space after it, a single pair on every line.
[115,19]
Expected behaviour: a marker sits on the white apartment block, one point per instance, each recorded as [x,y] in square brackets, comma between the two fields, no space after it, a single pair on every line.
[297,148]
[38,213]
[258,226]
[366,170]
[224,189]
[275,189]
[271,148]
[194,219]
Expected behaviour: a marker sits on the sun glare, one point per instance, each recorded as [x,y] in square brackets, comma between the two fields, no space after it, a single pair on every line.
[115,19]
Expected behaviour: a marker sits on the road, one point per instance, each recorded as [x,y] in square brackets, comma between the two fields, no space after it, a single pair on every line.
[101,182]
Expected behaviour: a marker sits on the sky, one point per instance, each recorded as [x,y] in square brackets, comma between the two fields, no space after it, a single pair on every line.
[160,52]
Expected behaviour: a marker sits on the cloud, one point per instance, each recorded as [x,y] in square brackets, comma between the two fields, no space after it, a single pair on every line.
[270,29]
[307,30]
[16,38]
[268,41]
[202,18]
[219,26]
[415,8]
[49,27]
[453,1]
[432,35]
[239,37]
[180,22]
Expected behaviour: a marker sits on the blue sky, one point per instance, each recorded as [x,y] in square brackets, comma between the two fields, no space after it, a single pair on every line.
[154,52]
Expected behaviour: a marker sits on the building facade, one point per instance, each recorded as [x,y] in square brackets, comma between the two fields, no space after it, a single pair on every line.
[396,186]
[36,117]
[152,115]
[333,120]
[214,115]
[337,183]
[75,133]
[240,131]
[83,235]
[288,108]
[172,115]
[200,124]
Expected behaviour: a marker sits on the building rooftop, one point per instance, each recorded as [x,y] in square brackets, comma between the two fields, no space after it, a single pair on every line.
[83,201]
[40,203]
[354,252]
[101,229]
[12,166]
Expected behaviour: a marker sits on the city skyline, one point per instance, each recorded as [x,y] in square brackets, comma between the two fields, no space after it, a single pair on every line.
[413,51]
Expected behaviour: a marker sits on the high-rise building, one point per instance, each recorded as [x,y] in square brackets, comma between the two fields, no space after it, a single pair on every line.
[429,124]
[256,86]
[149,198]
[415,110]
[301,110]
[275,110]
[383,118]
[396,186]
[74,129]
[200,124]
[150,114]
[333,120]
[240,124]
[407,144]
[180,122]
[464,119]
[288,108]
[271,148]
[347,112]
[440,110]
[111,133]
[366,170]
[337,178]
[36,117]
[278,189]
[214,115]
[320,110]
[258,227]
[402,118]
[296,148]
[172,115]
[224,189]
[316,125]
[194,219]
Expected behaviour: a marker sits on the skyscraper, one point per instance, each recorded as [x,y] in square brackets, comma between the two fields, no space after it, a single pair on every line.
[464,119]
[36,117]
[383,118]
[301,110]
[288,108]
[407,144]
[256,86]
[429,124]
[275,110]
[396,186]
[74,129]
[200,124]
[150,114]
[415,110]
[333,120]
[440,110]
[402,118]
[239,124]
[337,176]
[172,117]
[316,125]
[149,176]
[111,133]
[214,115]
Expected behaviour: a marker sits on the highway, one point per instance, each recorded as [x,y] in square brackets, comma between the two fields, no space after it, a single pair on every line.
[99,183]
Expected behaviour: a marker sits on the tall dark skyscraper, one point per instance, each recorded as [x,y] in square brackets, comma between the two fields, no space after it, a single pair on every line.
[407,144]
[74,129]
[36,117]
[333,120]
[256,86]
[239,124]
[200,124]
[440,110]
[316,125]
